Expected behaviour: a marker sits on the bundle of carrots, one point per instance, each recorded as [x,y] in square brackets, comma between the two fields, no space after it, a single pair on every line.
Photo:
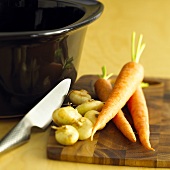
[126,90]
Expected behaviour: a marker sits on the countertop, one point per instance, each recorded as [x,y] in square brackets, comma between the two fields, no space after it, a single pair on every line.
[107,42]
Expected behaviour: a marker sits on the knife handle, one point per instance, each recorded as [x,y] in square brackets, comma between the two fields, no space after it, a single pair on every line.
[17,136]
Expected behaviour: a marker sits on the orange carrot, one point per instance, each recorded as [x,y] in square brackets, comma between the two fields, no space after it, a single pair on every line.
[102,86]
[137,104]
[123,125]
[130,76]
[103,89]
[139,112]
[128,82]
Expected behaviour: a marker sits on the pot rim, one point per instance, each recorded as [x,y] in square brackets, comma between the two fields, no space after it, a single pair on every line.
[92,8]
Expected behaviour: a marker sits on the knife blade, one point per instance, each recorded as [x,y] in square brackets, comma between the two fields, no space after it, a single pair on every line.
[39,116]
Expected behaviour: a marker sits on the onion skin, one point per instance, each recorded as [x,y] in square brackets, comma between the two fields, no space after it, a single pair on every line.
[84,128]
[78,97]
[90,105]
[92,115]
[65,116]
[66,135]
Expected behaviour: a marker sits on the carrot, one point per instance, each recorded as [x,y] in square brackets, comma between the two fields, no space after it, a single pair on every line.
[123,125]
[125,85]
[139,112]
[103,89]
[102,86]
[130,76]
[138,107]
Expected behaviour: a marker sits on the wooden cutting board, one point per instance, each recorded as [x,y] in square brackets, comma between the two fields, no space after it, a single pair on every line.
[110,147]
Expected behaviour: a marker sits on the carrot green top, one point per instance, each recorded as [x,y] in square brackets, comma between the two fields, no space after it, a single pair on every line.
[104,73]
[136,53]
[135,56]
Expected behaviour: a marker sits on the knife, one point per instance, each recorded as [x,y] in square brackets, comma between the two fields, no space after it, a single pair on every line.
[39,116]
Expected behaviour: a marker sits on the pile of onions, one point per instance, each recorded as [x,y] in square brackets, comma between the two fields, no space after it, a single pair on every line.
[73,124]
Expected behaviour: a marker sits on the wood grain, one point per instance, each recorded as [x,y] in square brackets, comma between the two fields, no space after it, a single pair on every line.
[110,147]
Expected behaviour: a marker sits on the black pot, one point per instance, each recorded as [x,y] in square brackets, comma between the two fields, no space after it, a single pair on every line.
[40,44]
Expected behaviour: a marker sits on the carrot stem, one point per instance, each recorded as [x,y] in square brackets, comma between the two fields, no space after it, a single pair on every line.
[140,47]
[133,46]
[104,73]
[140,52]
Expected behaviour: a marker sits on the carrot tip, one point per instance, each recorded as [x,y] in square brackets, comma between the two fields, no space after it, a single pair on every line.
[149,148]
[152,149]
[133,140]
[92,134]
